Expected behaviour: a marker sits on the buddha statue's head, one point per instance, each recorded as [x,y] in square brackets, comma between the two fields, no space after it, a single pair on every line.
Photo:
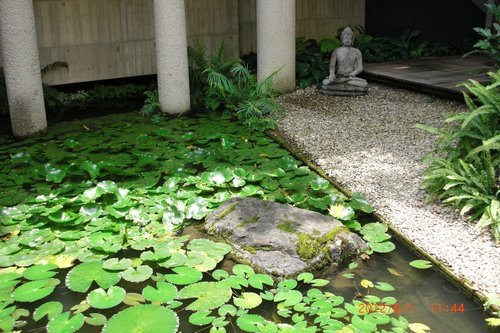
[347,37]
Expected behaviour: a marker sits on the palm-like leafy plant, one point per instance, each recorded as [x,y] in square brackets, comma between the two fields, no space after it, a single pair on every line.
[231,86]
[464,166]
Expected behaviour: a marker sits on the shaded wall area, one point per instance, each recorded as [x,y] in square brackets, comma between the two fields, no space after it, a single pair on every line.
[438,20]
[107,39]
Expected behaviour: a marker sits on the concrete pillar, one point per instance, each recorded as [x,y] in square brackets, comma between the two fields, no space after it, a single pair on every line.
[22,67]
[171,55]
[276,42]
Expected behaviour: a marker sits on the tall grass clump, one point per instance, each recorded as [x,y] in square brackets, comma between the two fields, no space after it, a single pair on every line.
[463,168]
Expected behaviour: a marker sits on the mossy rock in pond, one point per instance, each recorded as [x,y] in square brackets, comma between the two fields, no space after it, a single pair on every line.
[282,240]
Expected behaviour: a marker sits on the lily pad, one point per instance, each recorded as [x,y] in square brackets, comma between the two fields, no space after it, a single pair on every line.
[209,295]
[143,318]
[40,272]
[421,264]
[139,274]
[80,278]
[184,275]
[163,293]
[247,300]
[35,290]
[49,309]
[115,264]
[64,323]
[102,299]
[250,322]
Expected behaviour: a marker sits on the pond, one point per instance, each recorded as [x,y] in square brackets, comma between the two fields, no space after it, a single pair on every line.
[90,192]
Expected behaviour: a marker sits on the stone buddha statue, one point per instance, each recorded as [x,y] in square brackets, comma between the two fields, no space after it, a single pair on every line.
[346,62]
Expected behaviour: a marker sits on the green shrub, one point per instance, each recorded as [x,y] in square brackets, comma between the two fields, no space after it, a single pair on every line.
[239,92]
[490,38]
[463,169]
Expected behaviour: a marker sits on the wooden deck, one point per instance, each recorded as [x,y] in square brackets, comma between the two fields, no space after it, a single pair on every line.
[438,76]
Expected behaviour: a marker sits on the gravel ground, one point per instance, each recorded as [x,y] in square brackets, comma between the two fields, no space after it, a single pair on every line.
[369,144]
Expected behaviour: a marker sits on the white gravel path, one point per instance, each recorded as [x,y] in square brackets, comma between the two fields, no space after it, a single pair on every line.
[369,144]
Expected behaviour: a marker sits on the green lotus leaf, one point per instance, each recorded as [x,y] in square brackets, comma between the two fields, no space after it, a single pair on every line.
[376,238]
[306,277]
[250,322]
[319,184]
[374,228]
[176,259]
[338,313]
[287,284]
[6,310]
[40,272]
[91,168]
[207,265]
[359,202]
[64,217]
[197,210]
[243,270]
[384,247]
[377,318]
[290,297]
[90,210]
[201,318]
[371,299]
[134,299]
[96,319]
[270,184]
[80,278]
[7,324]
[388,300]
[363,325]
[236,282]
[105,299]
[143,318]
[49,309]
[53,174]
[139,274]
[64,323]
[115,264]
[421,264]
[248,300]
[35,290]
[184,275]
[163,293]
[220,274]
[267,295]
[209,295]
[384,286]
[8,280]
[227,309]
[171,185]
[71,235]
[250,190]
[258,281]
[319,282]
[105,242]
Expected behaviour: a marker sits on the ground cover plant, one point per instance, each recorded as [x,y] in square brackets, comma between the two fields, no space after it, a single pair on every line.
[88,220]
[463,170]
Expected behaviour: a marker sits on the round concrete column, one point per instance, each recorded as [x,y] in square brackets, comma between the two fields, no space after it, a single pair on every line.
[22,67]
[276,42]
[171,55]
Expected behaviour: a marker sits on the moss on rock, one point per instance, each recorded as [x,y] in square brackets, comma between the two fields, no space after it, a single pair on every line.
[309,247]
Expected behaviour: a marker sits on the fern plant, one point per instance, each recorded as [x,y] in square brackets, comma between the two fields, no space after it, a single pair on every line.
[464,166]
[239,92]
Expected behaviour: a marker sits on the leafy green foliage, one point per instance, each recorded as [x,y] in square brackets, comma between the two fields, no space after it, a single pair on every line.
[238,92]
[312,60]
[406,46]
[421,264]
[463,168]
[143,318]
[490,38]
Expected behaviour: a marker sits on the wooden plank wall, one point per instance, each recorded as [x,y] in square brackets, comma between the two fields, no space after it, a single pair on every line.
[105,39]
[315,19]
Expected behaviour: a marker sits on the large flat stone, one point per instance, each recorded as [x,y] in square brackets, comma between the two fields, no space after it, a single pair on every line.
[280,239]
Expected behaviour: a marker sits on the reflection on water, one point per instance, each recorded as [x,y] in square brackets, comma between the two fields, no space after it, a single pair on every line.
[424,296]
